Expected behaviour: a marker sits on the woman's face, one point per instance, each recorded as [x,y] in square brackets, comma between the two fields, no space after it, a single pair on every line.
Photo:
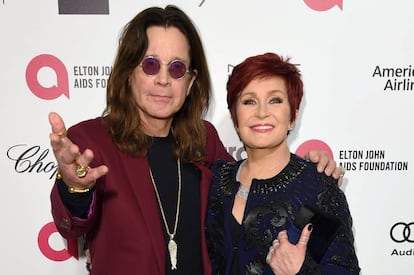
[160,96]
[263,113]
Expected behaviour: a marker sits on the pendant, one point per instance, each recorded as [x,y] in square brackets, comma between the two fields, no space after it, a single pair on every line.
[172,249]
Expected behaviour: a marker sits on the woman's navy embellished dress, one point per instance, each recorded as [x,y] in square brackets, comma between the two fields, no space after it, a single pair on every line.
[273,205]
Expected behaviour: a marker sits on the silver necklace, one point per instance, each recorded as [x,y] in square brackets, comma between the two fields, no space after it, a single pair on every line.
[243,192]
[172,245]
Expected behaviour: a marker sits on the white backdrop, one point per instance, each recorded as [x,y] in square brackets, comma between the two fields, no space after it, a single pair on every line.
[357,63]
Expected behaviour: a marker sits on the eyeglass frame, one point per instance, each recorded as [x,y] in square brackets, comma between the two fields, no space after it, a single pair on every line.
[187,69]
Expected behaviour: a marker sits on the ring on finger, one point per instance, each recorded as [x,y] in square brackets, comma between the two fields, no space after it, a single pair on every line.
[62,134]
[343,170]
[81,170]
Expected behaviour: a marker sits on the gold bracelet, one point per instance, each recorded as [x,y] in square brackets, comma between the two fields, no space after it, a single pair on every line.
[74,190]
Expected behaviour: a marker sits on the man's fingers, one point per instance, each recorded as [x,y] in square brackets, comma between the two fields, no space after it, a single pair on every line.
[321,158]
[324,165]
[305,235]
[57,137]
[68,153]
[92,176]
[72,178]
[330,167]
[83,159]
[339,173]
[57,124]
[100,171]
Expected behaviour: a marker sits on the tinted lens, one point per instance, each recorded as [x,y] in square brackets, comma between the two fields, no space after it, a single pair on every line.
[150,65]
[177,69]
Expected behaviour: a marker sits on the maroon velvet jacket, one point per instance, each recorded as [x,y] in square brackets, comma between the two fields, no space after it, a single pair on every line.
[124,226]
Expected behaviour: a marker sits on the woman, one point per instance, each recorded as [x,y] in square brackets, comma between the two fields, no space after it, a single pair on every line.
[135,181]
[258,206]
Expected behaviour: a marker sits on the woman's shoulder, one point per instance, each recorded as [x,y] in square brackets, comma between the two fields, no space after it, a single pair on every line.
[224,175]
[309,169]
[223,167]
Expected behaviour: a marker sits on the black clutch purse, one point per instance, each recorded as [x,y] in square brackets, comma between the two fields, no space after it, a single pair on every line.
[323,232]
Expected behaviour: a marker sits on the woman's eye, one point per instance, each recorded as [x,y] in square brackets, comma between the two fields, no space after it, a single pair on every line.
[248,102]
[275,100]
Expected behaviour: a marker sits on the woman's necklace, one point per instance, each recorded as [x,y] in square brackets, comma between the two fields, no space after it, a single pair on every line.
[172,245]
[243,192]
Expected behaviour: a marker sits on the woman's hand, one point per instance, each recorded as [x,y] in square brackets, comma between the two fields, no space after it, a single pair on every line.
[285,258]
[73,165]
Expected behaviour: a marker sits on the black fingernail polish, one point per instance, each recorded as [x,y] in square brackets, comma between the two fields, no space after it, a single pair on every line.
[310,227]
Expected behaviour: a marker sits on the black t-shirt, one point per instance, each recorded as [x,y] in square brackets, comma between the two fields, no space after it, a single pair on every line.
[188,237]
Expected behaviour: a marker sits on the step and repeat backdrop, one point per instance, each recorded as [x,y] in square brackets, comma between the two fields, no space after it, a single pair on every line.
[357,60]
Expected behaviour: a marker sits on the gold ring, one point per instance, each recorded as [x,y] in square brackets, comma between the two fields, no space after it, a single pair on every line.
[58,173]
[81,170]
[62,134]
[342,172]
